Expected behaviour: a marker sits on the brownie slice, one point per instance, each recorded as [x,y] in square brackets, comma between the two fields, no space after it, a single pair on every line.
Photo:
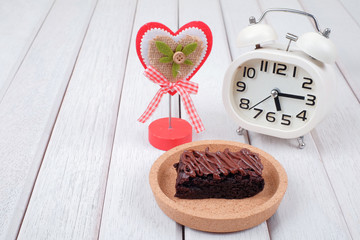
[230,175]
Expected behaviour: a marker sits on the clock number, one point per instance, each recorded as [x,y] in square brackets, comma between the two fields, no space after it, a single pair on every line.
[249,72]
[264,66]
[244,103]
[311,99]
[270,117]
[302,115]
[260,111]
[278,68]
[308,81]
[285,121]
[294,72]
[241,86]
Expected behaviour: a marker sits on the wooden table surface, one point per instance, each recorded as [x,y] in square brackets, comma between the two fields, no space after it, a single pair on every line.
[74,162]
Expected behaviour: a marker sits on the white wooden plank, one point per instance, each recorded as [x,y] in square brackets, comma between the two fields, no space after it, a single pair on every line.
[209,99]
[353,9]
[20,22]
[234,25]
[30,106]
[345,30]
[67,200]
[255,233]
[130,210]
[309,208]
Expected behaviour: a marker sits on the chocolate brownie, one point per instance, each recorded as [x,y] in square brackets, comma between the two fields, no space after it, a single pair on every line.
[230,175]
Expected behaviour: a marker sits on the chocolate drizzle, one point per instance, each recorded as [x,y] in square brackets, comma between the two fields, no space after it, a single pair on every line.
[201,163]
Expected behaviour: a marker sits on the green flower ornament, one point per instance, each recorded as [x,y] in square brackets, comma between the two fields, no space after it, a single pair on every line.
[176,58]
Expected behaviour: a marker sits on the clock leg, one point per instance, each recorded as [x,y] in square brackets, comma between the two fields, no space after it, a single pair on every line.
[301,142]
[240,131]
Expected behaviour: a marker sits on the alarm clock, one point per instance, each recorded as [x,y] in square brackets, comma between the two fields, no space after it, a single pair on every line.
[277,90]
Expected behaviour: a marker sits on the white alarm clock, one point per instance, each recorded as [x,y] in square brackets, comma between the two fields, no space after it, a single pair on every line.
[277,90]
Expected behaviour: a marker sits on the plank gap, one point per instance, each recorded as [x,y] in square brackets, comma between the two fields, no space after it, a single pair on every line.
[347,82]
[178,17]
[226,31]
[268,227]
[348,12]
[183,232]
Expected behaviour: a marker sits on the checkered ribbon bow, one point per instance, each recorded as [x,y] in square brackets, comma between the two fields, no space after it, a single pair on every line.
[184,88]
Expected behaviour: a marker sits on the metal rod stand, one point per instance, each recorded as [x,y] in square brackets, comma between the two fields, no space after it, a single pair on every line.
[170,110]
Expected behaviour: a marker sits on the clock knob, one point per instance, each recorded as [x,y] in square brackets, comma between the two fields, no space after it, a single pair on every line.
[317,46]
[256,34]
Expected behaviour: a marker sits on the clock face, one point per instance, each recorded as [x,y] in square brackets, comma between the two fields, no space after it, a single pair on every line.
[274,94]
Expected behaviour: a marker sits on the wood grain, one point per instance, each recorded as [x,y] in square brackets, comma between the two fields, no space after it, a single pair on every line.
[19,25]
[76,162]
[352,9]
[30,106]
[130,210]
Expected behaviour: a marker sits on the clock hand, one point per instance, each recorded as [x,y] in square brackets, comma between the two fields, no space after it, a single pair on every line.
[277,104]
[275,95]
[260,102]
[291,96]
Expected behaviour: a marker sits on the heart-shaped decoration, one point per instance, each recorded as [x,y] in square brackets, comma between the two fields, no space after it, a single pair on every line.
[187,49]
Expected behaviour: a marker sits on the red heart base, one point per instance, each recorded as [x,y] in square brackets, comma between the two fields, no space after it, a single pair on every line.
[164,138]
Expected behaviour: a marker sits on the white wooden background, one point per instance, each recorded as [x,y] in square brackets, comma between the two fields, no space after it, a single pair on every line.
[74,162]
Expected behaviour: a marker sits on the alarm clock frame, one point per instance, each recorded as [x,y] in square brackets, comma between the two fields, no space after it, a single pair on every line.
[321,73]
[315,58]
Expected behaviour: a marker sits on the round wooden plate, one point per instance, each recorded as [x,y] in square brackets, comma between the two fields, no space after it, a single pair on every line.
[217,215]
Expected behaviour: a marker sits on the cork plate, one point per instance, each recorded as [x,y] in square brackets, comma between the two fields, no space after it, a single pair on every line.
[217,215]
